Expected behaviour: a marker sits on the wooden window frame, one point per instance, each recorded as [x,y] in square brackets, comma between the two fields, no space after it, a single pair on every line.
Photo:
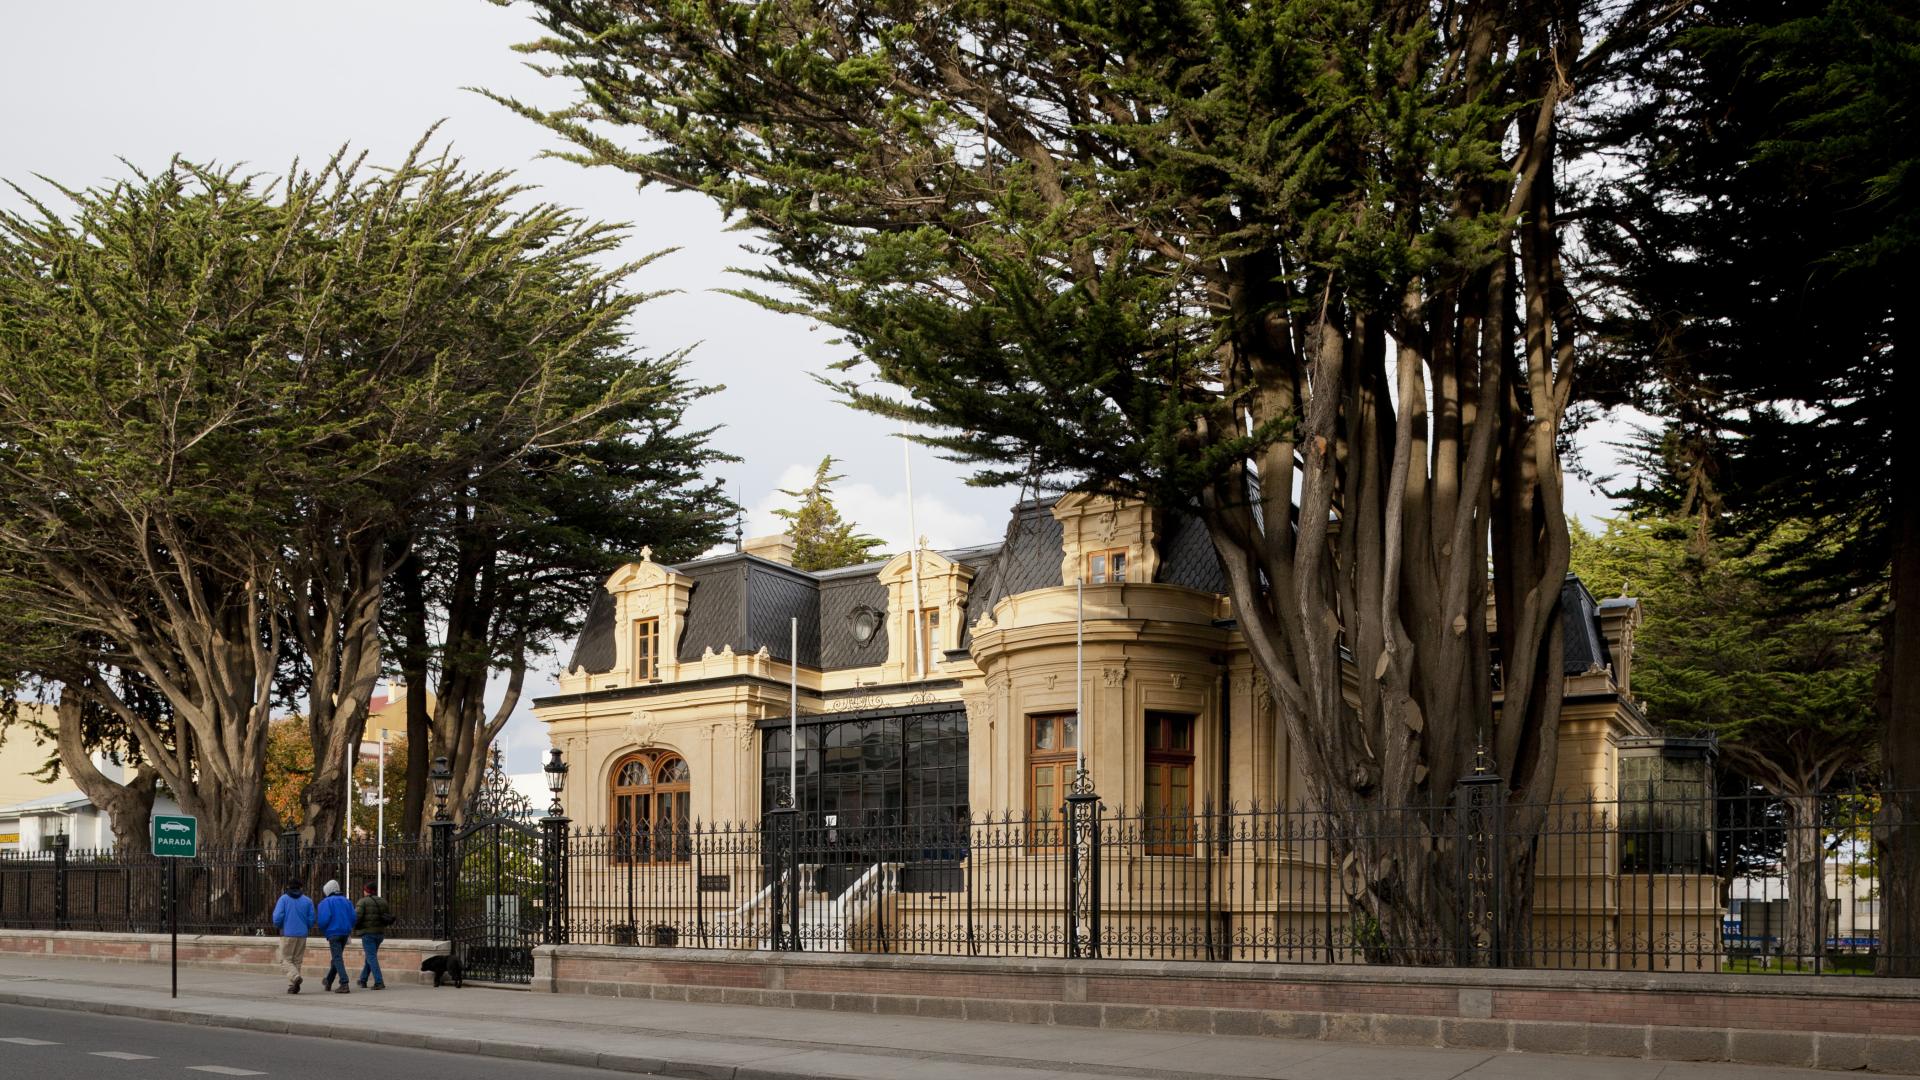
[1044,817]
[1168,830]
[648,629]
[1107,576]
[660,841]
[926,637]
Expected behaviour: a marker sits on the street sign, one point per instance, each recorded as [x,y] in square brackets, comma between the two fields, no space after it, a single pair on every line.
[175,836]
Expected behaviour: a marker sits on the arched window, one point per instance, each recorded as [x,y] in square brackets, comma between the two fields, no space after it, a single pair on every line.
[651,814]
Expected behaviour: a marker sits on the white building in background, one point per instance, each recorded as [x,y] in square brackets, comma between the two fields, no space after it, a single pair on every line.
[33,812]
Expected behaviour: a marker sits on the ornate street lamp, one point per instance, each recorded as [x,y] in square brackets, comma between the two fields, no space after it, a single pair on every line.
[556,770]
[554,836]
[442,778]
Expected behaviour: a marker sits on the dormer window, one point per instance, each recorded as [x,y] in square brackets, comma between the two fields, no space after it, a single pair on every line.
[1105,566]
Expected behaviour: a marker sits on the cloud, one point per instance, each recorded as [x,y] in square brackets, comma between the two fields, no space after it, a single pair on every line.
[878,513]
[1597,447]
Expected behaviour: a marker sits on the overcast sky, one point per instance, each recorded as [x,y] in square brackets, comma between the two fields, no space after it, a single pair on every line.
[84,83]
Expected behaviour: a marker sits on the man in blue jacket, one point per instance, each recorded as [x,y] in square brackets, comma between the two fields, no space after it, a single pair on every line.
[294,917]
[336,925]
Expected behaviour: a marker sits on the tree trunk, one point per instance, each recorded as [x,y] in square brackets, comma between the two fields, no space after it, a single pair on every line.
[337,625]
[1898,830]
[1805,865]
[414,645]
[129,806]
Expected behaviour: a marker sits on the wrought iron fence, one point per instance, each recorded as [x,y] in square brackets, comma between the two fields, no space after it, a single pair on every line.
[1663,881]
[222,890]
[1660,879]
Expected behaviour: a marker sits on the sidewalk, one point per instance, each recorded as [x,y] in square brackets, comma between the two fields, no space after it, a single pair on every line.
[739,1042]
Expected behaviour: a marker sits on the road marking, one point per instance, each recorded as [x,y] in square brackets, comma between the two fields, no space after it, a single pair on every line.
[224,1070]
[29,1042]
[122,1055]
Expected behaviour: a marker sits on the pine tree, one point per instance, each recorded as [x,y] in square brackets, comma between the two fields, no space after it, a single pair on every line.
[1764,221]
[1201,255]
[822,539]
[1737,644]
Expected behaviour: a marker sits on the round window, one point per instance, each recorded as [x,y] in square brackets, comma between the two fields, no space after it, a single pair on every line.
[866,623]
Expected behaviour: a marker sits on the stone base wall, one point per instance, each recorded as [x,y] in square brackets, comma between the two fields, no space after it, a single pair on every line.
[399,957]
[1830,1022]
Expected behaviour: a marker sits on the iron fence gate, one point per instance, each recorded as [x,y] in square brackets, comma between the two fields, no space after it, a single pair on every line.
[500,884]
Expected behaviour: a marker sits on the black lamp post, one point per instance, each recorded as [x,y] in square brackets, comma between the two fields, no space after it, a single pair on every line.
[554,830]
[556,770]
[441,777]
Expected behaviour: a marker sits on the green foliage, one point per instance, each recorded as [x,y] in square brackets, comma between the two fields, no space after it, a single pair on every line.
[1750,264]
[1733,647]
[1018,235]
[821,539]
[232,403]
[1273,264]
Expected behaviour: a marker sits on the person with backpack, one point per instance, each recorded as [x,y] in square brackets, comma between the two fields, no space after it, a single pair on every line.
[371,917]
[293,916]
[336,925]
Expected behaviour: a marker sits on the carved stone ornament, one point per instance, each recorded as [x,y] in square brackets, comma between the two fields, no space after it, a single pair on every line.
[1262,696]
[980,710]
[1109,525]
[1053,679]
[1179,680]
[744,731]
[642,729]
[1113,675]
[645,604]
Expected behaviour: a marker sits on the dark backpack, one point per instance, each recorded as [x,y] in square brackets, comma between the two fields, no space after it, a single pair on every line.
[375,915]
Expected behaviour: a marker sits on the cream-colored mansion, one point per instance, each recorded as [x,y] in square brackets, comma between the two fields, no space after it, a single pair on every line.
[941,685]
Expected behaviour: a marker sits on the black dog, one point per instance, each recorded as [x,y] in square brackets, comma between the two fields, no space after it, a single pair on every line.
[444,967]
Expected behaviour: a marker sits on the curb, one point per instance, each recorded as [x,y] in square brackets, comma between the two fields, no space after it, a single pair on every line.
[681,1069]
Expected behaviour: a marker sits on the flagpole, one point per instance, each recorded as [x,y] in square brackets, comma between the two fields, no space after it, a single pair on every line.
[380,824]
[346,837]
[1079,674]
[915,643]
[793,710]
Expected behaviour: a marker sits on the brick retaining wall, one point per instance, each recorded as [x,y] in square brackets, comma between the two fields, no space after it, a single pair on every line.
[399,957]
[1830,1022]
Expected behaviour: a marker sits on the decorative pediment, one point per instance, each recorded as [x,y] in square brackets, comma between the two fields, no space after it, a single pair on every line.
[645,574]
[899,569]
[1094,524]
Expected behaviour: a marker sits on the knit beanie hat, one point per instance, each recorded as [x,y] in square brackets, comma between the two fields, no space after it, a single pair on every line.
[332,888]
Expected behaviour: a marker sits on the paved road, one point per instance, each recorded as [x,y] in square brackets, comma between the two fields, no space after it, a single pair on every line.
[44,1044]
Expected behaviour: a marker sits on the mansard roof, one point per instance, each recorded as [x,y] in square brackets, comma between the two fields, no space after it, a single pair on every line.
[745,602]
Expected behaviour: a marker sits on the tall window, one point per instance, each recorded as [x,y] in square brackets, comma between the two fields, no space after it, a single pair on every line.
[646,649]
[1053,740]
[650,807]
[1105,566]
[1169,808]
[928,636]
